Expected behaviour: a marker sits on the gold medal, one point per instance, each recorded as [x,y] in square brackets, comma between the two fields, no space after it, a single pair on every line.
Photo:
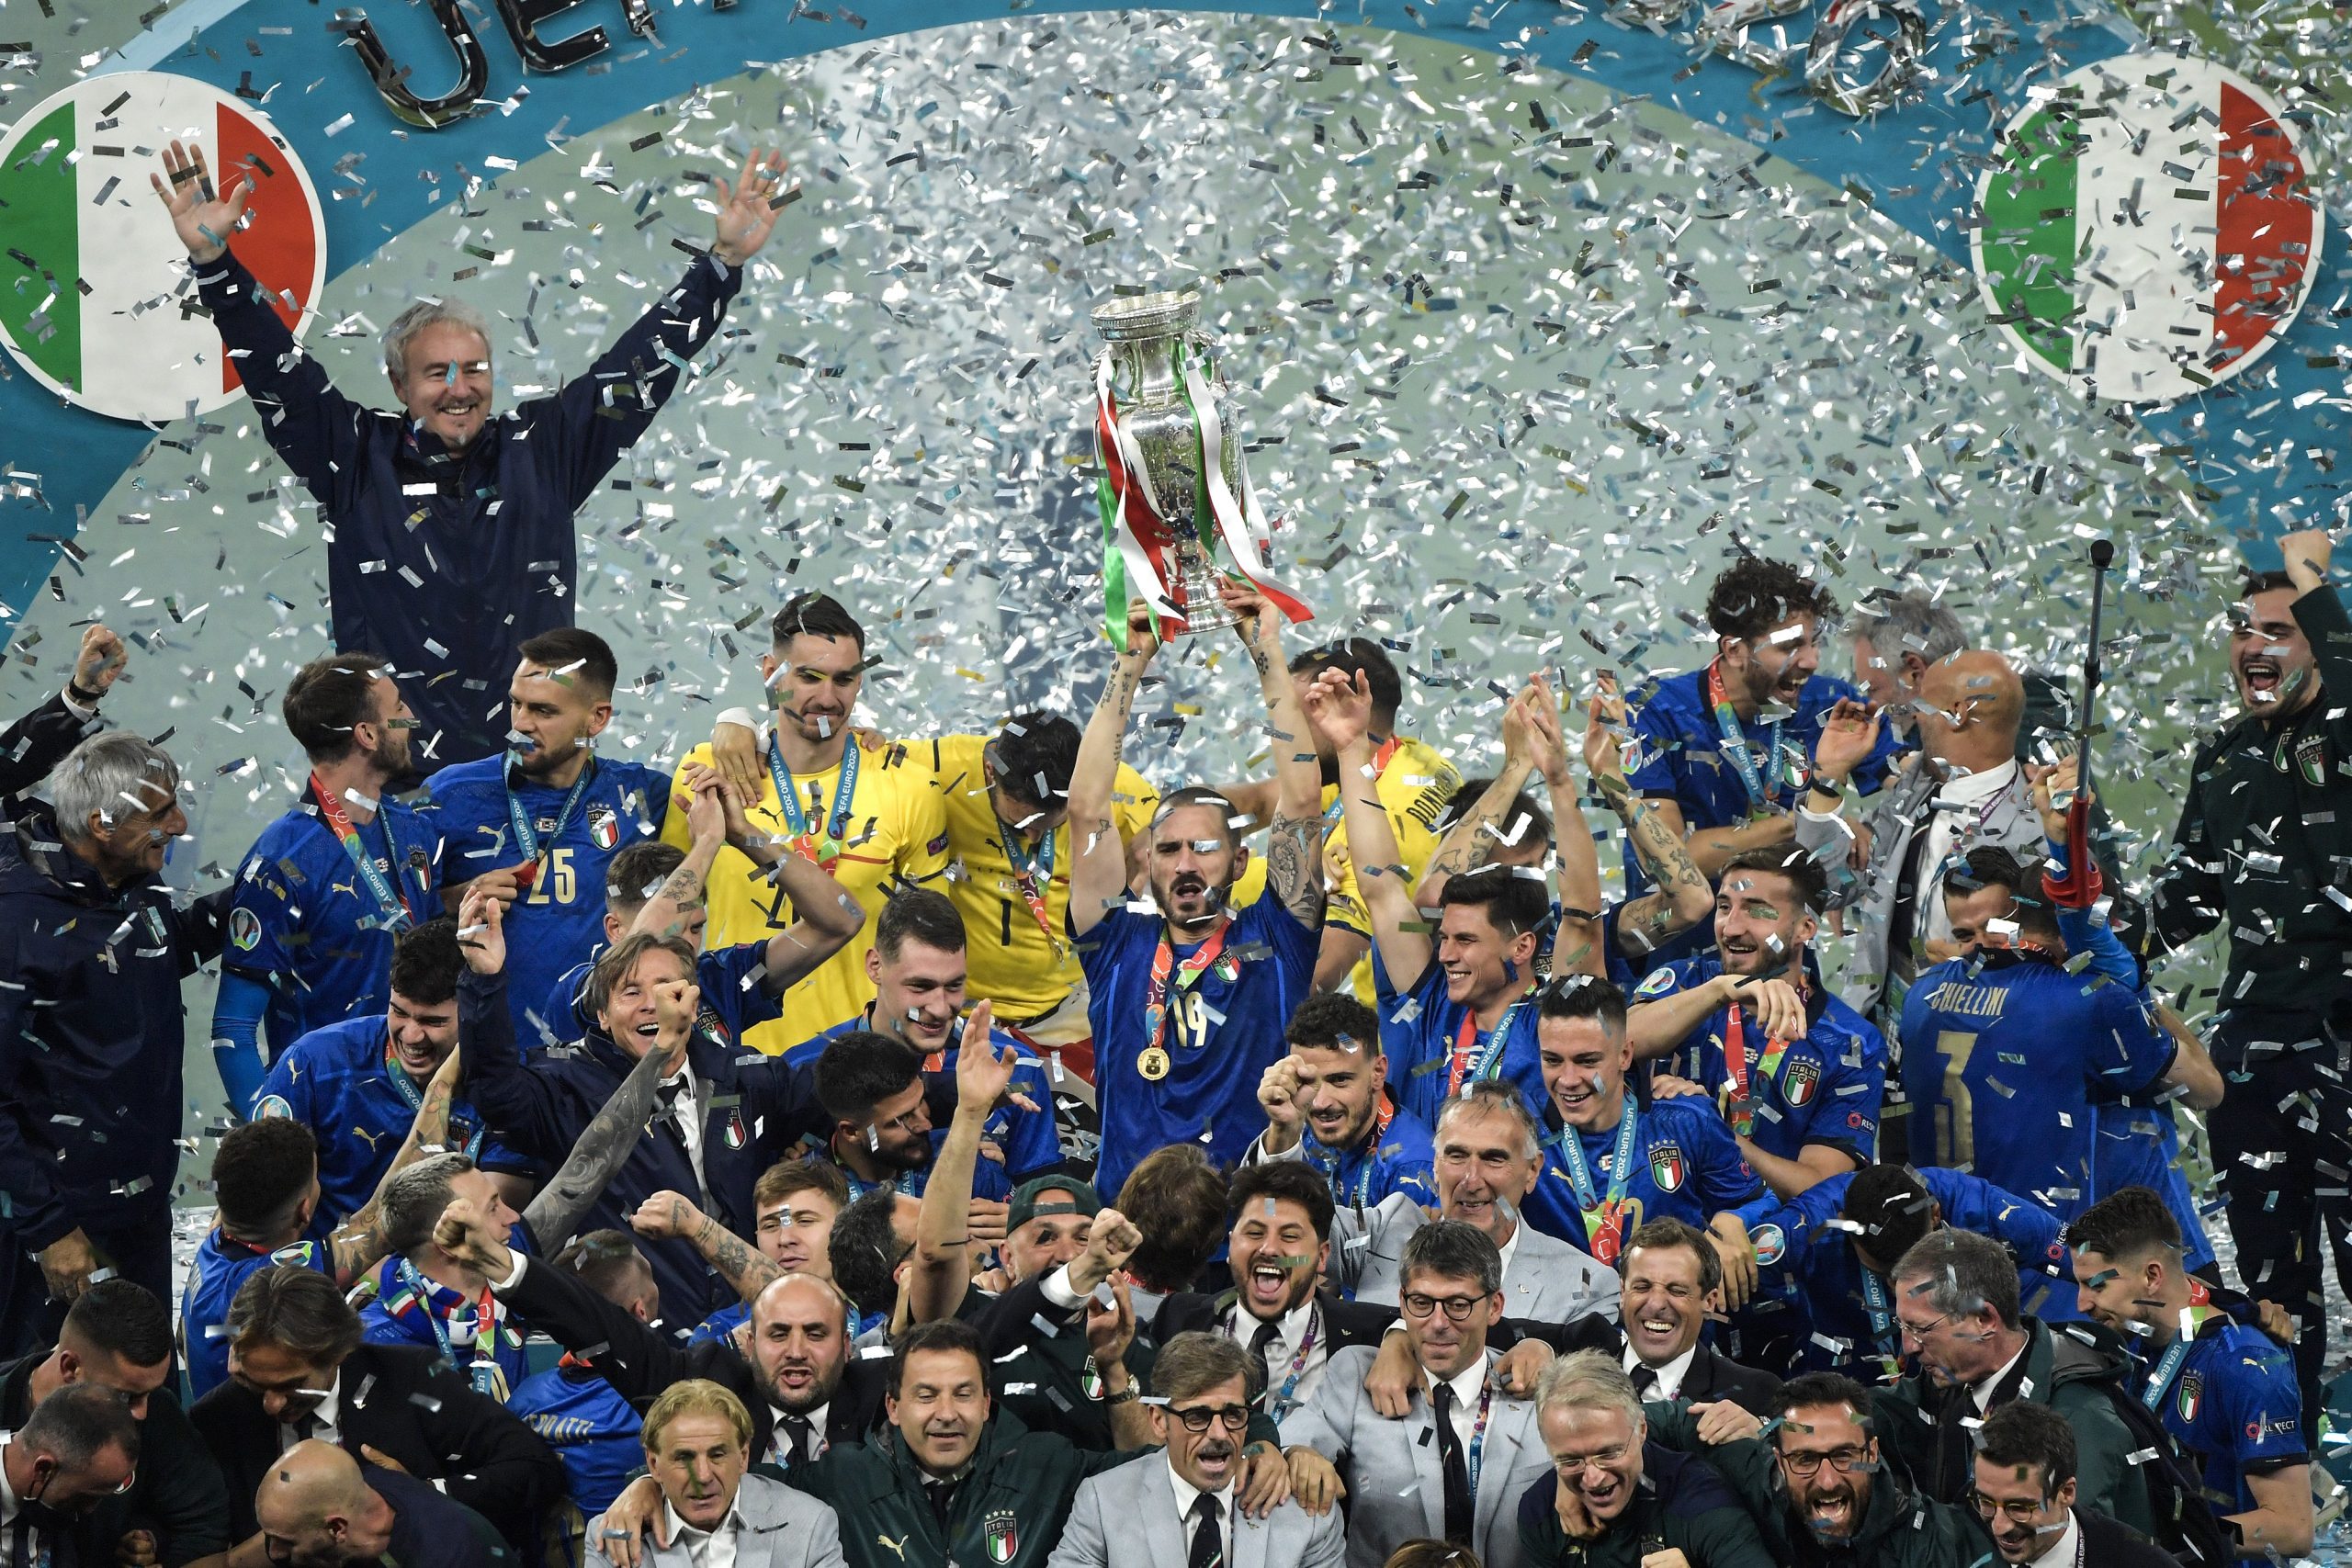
[1153,1064]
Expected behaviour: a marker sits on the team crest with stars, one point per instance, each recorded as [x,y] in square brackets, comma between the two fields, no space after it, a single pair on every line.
[604,827]
[2192,1395]
[1003,1536]
[1666,1166]
[734,1135]
[1798,1083]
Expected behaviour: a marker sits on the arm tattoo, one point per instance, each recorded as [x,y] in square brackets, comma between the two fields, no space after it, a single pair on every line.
[1295,867]
[684,888]
[555,1214]
[742,1266]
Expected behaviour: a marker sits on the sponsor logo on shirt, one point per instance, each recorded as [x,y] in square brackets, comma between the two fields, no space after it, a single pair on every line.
[2192,1395]
[1002,1534]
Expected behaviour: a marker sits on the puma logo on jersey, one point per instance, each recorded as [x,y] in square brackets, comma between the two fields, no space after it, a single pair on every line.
[898,1546]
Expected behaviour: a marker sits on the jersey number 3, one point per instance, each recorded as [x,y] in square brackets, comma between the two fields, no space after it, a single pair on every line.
[1957,1136]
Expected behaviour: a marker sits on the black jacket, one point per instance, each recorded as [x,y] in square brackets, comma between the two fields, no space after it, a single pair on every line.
[177,1496]
[754,1109]
[407,1403]
[639,1361]
[93,1037]
[1715,1376]
[430,1530]
[2110,1543]
[38,742]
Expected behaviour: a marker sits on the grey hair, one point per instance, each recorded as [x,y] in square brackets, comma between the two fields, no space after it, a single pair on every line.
[1589,1379]
[77,1423]
[1495,1097]
[413,1201]
[1898,624]
[1960,1274]
[115,775]
[427,313]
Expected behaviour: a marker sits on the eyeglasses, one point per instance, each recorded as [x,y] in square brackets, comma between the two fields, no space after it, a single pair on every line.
[1919,1333]
[1606,1458]
[1457,1308]
[2021,1510]
[1845,1461]
[1198,1418]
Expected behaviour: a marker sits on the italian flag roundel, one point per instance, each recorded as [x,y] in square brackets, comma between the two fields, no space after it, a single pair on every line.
[96,297]
[2148,228]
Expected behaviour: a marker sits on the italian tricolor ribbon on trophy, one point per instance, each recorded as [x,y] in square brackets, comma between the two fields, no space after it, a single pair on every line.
[1145,542]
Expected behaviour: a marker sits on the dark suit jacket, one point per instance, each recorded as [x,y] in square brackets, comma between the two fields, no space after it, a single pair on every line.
[2110,1543]
[1715,1376]
[38,742]
[640,1361]
[1364,1323]
[405,1402]
[178,1496]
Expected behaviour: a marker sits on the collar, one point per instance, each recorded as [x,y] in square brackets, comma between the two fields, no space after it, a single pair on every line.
[325,1409]
[1468,1385]
[686,1534]
[2062,1550]
[1186,1492]
[519,780]
[1510,1248]
[1967,789]
[1289,1328]
[1981,1393]
[777,1415]
[1669,1376]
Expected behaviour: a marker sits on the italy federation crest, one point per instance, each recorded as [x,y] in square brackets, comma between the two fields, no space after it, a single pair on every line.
[1666,1166]
[1798,1084]
[604,827]
[1003,1536]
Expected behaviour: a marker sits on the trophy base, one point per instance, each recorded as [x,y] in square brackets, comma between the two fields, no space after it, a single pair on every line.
[1198,603]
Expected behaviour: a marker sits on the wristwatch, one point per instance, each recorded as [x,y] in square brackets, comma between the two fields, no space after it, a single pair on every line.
[1815,781]
[1124,1396]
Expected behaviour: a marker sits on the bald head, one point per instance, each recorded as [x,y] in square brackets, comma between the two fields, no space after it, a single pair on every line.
[799,1341]
[1971,707]
[316,1502]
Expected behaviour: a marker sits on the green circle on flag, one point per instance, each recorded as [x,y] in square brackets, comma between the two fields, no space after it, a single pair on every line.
[2148,228]
[97,301]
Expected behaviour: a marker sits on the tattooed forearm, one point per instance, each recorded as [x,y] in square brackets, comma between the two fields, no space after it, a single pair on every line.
[741,1265]
[602,1147]
[684,887]
[1295,867]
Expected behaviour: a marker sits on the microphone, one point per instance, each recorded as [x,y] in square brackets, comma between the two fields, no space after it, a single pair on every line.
[2102,554]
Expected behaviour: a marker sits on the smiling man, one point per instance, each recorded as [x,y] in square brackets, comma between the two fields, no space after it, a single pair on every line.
[1328,1103]
[449,525]
[1670,1284]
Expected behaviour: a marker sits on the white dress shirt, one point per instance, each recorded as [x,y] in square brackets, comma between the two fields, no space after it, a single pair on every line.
[1289,1330]
[1185,1494]
[8,1492]
[1955,808]
[1669,1376]
[2062,1550]
[1981,1392]
[780,1444]
[1509,1248]
[325,1411]
[707,1549]
[687,1113]
[1468,1385]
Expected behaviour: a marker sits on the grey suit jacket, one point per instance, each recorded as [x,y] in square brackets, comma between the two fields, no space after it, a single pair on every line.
[1546,1282]
[782,1529]
[1875,981]
[1127,1519]
[1396,1485]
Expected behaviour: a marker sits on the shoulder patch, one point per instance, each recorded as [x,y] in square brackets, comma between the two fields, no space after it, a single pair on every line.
[272,1105]
[302,1254]
[244,928]
[1656,983]
[1771,1243]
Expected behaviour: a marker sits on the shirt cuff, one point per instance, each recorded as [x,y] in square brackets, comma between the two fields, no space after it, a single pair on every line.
[1056,1289]
[85,713]
[514,1275]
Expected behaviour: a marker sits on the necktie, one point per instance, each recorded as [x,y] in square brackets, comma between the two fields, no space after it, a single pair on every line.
[665,1095]
[799,1440]
[941,1500]
[20,1543]
[1261,1345]
[1208,1534]
[1644,1379]
[1457,1472]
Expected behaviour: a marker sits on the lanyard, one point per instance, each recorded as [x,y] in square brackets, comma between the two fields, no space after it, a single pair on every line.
[2169,1368]
[1874,1301]
[1380,761]
[1490,1062]
[825,850]
[414,1098]
[488,1377]
[1278,1403]
[1369,1150]
[392,911]
[1603,1218]
[1478,1436]
[1034,878]
[1163,958]
[1743,1107]
[527,835]
[1760,794]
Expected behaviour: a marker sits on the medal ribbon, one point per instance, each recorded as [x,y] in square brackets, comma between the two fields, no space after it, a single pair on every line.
[836,817]
[2160,1380]
[1743,1105]
[1154,1000]
[1380,761]
[391,899]
[1282,1402]
[1761,796]
[1368,1151]
[1478,1435]
[487,1376]
[1034,878]
[527,836]
[1874,1301]
[1489,1061]
[1603,1217]
[414,1098]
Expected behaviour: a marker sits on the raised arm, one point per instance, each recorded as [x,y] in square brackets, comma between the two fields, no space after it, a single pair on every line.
[1480,835]
[1680,897]
[942,1256]
[1575,945]
[1098,873]
[1295,845]
[357,1244]
[1339,705]
[515,1101]
[602,1149]
[745,1267]
[664,912]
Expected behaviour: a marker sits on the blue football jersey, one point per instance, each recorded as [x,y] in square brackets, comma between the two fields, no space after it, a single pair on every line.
[1421,1029]
[410,1309]
[2232,1403]
[222,1264]
[721,1324]
[1400,1157]
[592,1428]
[304,923]
[1824,1088]
[1805,1255]
[1025,1138]
[2002,1055]
[1220,1034]
[1685,1166]
[560,920]
[342,1083]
